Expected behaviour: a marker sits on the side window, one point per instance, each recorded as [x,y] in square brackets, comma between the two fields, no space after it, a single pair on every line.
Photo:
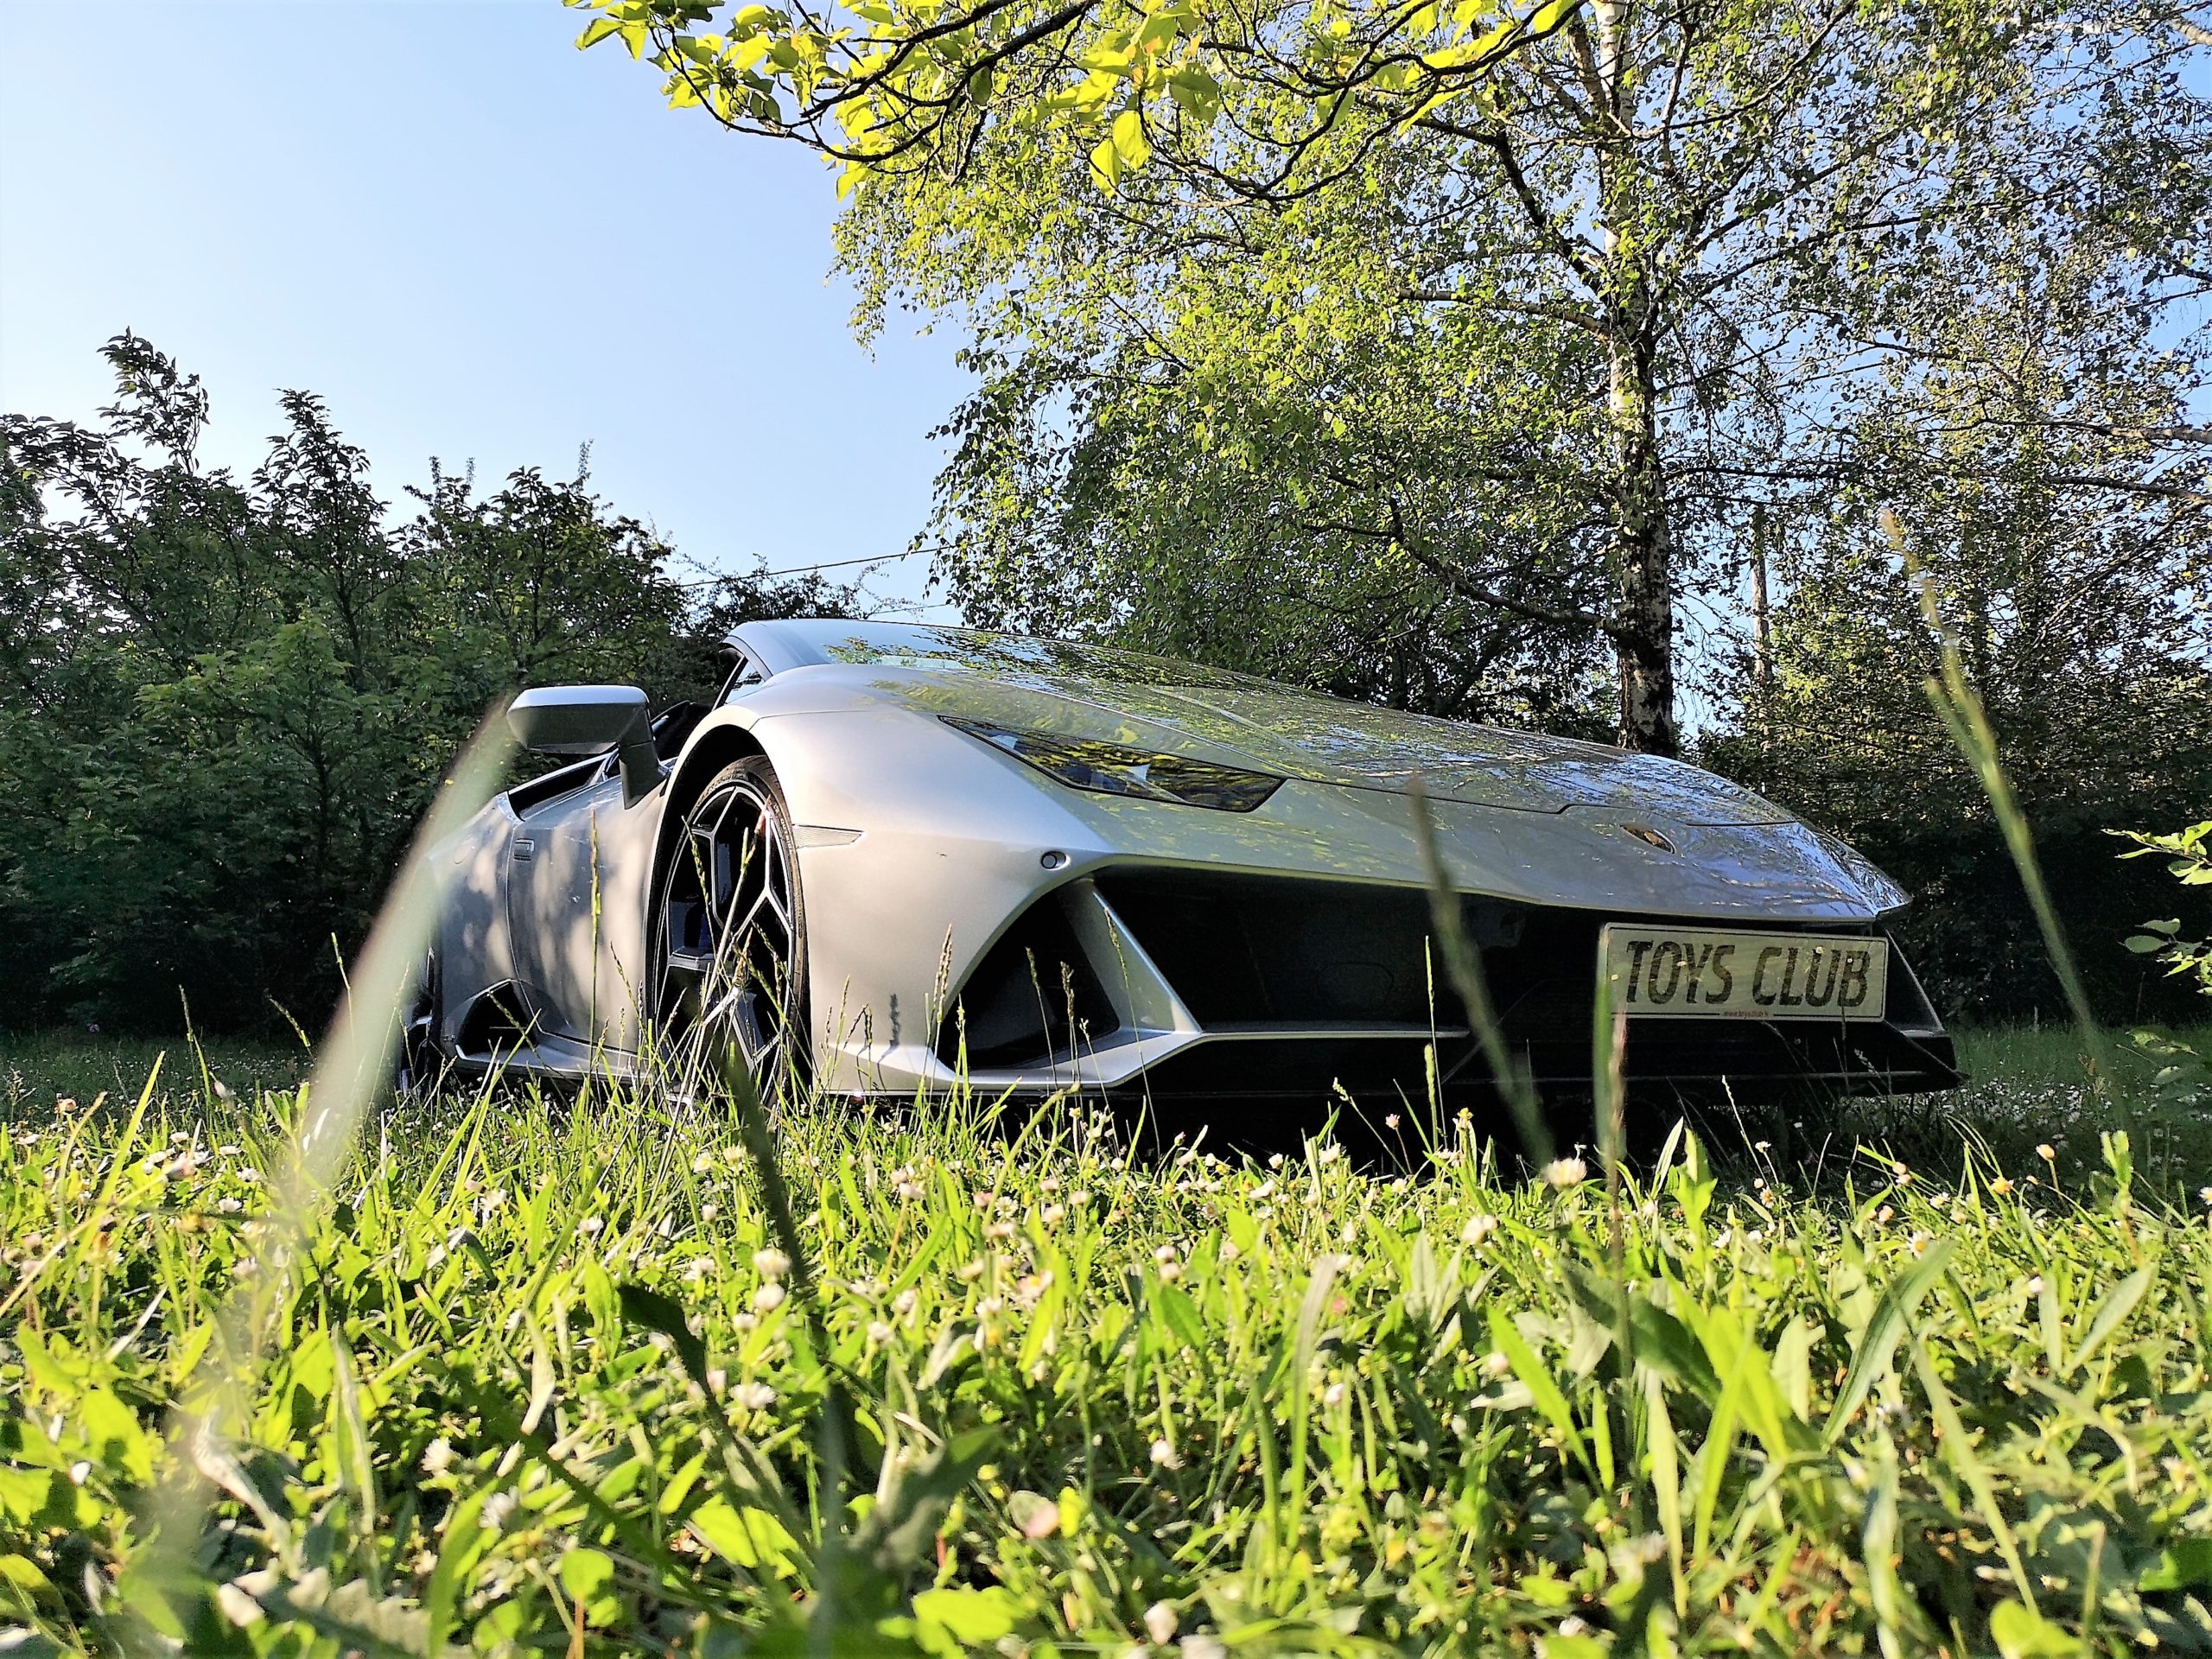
[744,673]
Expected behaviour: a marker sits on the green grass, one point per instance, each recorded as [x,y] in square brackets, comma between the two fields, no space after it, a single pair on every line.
[38,1068]
[532,1386]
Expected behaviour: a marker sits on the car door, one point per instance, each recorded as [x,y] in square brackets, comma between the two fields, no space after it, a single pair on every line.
[579,864]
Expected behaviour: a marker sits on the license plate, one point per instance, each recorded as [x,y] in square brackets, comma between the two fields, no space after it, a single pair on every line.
[1709,973]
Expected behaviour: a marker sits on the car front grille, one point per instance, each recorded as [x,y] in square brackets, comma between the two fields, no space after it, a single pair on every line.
[1334,970]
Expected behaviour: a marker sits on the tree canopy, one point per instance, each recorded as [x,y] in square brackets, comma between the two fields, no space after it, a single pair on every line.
[1473,333]
[229,699]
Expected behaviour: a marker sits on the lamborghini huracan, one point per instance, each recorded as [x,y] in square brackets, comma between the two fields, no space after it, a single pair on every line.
[891,858]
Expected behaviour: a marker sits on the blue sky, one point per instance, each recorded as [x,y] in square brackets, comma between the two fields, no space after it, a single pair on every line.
[475,242]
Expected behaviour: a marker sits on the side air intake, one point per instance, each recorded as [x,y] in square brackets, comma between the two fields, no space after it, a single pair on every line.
[1034,997]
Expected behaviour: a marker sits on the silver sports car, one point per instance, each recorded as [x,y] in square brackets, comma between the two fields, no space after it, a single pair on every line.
[893,856]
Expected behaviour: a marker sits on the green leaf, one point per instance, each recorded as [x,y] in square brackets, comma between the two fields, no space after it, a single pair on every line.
[1106,166]
[1129,141]
[1537,1379]
[973,1618]
[1181,1316]
[585,1573]
[649,1310]
[2118,1302]
[1878,1345]
[752,1538]
[2022,1633]
[2184,1564]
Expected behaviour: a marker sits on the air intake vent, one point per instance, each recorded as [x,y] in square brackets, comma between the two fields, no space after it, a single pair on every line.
[1034,996]
[1247,951]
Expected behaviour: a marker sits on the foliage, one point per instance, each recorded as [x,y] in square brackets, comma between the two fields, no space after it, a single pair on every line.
[896,87]
[546,1380]
[2189,854]
[1517,381]
[2085,631]
[227,700]
[2185,1068]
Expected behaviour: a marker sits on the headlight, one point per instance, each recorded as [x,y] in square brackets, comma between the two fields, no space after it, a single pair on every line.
[1111,769]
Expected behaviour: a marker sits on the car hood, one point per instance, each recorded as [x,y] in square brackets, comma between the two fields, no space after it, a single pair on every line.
[1323,740]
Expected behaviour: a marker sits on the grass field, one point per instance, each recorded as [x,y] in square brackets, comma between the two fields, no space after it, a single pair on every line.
[549,1381]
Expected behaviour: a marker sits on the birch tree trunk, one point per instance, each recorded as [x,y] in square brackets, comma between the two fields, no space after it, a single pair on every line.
[1641,549]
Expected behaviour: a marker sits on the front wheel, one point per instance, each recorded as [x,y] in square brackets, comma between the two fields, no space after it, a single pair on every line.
[417,1064]
[730,980]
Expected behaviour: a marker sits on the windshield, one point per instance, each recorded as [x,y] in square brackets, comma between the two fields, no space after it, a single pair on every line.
[910,645]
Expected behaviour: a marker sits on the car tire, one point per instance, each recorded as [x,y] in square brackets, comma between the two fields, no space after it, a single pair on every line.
[729,931]
[417,1064]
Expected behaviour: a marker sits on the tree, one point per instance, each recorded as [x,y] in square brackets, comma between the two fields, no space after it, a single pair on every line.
[2083,616]
[224,703]
[1622,278]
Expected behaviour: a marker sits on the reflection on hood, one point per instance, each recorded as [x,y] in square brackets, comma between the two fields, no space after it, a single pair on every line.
[1099,691]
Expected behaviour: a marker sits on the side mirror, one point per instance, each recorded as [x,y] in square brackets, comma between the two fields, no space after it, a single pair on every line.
[591,720]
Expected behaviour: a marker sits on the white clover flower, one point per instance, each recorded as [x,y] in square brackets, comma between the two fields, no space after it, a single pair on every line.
[1052,1215]
[1160,1624]
[1165,1253]
[1164,1454]
[709,1211]
[1330,1152]
[1478,1228]
[768,1298]
[1333,1395]
[497,1511]
[1497,1363]
[755,1396]
[878,1332]
[437,1457]
[747,1322]
[1170,1272]
[1563,1172]
[228,1207]
[905,1302]
[771,1264]
[589,1225]
[2034,1286]
[1274,1160]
